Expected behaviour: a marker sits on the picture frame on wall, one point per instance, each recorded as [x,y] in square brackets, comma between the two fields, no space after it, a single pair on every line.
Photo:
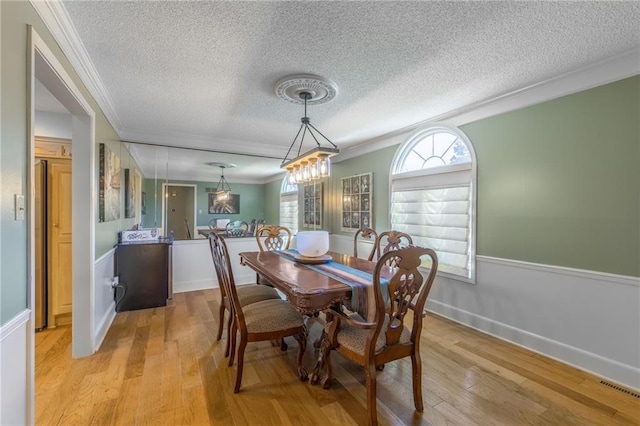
[109,185]
[312,207]
[357,202]
[129,194]
[230,206]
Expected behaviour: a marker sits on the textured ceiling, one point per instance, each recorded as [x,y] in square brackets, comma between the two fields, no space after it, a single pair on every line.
[202,74]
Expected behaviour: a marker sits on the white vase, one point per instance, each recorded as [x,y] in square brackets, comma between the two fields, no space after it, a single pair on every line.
[312,243]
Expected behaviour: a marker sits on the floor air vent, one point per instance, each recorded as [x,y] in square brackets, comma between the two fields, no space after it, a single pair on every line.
[620,389]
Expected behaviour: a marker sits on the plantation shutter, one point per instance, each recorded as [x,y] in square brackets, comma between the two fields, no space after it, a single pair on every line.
[289,211]
[436,211]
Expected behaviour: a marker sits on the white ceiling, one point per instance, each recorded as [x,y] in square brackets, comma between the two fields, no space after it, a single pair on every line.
[202,74]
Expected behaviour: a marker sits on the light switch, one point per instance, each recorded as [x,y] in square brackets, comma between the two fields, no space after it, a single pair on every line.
[19,206]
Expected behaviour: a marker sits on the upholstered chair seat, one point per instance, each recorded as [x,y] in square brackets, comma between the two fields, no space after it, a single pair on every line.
[355,339]
[271,315]
[252,293]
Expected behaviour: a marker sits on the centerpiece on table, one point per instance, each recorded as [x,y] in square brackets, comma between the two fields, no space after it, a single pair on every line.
[312,246]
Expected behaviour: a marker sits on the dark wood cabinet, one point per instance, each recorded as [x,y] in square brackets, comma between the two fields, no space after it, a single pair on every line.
[144,275]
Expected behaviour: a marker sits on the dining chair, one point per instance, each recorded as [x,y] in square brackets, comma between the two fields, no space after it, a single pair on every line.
[187,230]
[252,227]
[390,240]
[365,234]
[385,336]
[273,237]
[237,228]
[247,294]
[271,319]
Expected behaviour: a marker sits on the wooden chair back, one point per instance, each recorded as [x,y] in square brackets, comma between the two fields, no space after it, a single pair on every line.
[391,240]
[220,256]
[222,263]
[252,227]
[187,229]
[365,234]
[236,228]
[274,237]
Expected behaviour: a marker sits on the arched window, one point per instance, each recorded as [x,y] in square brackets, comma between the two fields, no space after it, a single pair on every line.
[289,206]
[433,196]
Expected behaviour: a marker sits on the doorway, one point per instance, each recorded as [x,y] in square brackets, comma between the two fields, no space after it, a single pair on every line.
[179,210]
[45,68]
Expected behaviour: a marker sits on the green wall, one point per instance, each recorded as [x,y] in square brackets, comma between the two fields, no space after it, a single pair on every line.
[558,182]
[272,201]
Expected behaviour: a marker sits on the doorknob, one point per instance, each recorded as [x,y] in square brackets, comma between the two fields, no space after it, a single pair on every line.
[55,225]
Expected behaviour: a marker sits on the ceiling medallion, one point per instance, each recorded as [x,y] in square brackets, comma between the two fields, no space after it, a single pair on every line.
[319,90]
[222,165]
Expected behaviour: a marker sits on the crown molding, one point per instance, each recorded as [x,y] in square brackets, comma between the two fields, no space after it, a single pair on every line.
[189,141]
[618,67]
[57,21]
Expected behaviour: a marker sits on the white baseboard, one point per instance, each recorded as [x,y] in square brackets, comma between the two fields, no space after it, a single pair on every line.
[196,285]
[103,326]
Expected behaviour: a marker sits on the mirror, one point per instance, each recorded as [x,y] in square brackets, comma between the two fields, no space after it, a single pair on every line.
[178,188]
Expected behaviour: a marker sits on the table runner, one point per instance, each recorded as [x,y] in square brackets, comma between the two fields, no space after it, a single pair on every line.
[362,301]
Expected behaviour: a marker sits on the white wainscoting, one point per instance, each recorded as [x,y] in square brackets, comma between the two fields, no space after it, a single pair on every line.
[104,307]
[193,267]
[16,393]
[587,319]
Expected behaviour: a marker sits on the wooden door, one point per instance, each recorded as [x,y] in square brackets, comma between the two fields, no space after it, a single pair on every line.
[40,181]
[59,236]
[179,207]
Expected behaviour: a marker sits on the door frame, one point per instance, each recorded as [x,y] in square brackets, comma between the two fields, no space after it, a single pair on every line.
[165,195]
[44,65]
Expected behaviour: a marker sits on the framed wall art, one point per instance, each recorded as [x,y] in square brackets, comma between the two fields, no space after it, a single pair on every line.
[312,205]
[357,202]
[129,194]
[109,191]
[230,206]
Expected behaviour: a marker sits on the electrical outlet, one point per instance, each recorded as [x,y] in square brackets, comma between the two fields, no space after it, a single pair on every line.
[114,282]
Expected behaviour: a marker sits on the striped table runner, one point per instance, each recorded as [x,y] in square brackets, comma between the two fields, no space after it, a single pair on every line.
[362,301]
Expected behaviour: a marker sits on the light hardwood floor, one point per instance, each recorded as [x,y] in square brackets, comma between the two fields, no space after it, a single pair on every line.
[163,366]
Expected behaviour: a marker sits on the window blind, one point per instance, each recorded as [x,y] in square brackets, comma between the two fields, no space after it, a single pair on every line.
[437,217]
[289,211]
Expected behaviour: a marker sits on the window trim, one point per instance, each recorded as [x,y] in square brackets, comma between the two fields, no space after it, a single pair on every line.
[289,194]
[403,151]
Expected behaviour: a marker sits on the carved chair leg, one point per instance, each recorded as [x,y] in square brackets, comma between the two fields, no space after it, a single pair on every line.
[314,378]
[326,361]
[370,376]
[232,341]
[302,347]
[416,367]
[240,368]
[226,351]
[220,320]
[283,345]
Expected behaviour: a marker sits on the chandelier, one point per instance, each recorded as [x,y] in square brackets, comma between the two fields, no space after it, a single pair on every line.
[315,163]
[222,193]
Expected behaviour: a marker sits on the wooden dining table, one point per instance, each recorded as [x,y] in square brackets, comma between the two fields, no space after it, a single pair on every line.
[307,290]
[206,232]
